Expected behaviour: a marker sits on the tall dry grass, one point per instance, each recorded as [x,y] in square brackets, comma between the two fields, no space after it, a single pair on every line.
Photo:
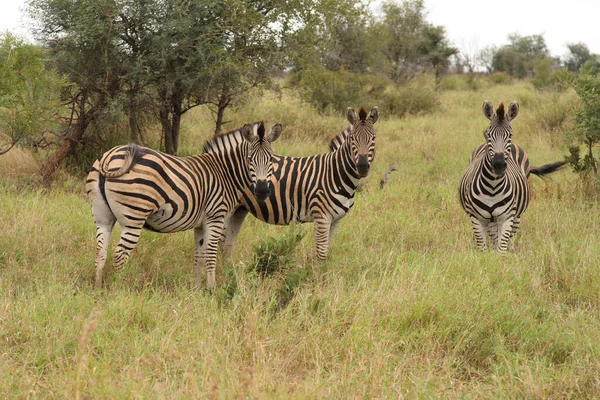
[403,307]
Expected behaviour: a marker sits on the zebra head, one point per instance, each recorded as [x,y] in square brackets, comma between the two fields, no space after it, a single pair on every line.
[260,156]
[498,135]
[362,138]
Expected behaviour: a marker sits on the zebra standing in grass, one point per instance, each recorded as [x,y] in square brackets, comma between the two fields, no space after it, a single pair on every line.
[317,189]
[495,189]
[143,188]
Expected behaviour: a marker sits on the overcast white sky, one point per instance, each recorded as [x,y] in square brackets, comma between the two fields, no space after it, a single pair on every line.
[470,24]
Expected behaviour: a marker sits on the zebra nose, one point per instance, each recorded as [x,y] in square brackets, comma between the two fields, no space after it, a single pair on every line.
[499,163]
[362,166]
[262,191]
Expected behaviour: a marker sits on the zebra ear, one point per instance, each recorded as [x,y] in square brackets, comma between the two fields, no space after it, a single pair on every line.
[374,115]
[274,133]
[248,132]
[488,109]
[513,110]
[350,115]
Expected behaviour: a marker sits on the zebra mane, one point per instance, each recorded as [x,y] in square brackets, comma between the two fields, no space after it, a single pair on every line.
[227,140]
[500,111]
[338,140]
[362,114]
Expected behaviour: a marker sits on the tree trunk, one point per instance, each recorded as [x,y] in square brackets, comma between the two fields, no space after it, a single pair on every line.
[165,121]
[74,134]
[133,125]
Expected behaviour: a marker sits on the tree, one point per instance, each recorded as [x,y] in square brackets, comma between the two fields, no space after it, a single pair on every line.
[578,55]
[518,57]
[587,122]
[411,43]
[29,93]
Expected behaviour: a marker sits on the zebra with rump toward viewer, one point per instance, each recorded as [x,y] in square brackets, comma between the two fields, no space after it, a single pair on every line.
[495,190]
[144,188]
[317,188]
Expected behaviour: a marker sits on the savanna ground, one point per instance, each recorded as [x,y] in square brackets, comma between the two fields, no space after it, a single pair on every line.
[405,306]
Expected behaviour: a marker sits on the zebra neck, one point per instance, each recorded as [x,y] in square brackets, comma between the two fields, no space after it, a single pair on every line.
[489,176]
[346,165]
[232,163]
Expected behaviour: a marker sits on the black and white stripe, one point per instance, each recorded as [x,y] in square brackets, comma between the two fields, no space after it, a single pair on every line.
[144,188]
[317,189]
[495,189]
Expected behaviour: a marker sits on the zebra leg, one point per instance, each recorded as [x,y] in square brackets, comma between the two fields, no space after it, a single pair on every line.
[479,230]
[492,231]
[232,229]
[207,242]
[332,228]
[513,233]
[322,230]
[505,232]
[129,239]
[105,221]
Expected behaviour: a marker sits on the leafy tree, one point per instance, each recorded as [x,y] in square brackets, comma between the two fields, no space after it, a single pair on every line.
[578,55]
[411,43]
[28,95]
[587,122]
[518,57]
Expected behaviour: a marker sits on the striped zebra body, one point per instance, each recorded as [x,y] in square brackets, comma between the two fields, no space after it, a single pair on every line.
[142,188]
[494,190]
[317,189]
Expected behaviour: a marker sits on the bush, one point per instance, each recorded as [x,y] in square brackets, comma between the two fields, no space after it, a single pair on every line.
[331,90]
[449,83]
[274,255]
[500,78]
[334,91]
[414,97]
[587,123]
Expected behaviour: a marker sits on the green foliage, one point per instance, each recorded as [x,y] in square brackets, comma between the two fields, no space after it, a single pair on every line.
[449,83]
[411,43]
[330,91]
[333,92]
[591,67]
[274,255]
[587,122]
[29,94]
[518,57]
[500,78]
[579,54]
[416,96]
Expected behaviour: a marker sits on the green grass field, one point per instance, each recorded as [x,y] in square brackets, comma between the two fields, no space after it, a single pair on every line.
[405,306]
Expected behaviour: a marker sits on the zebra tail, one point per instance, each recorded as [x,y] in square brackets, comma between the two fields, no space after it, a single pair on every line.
[133,153]
[548,168]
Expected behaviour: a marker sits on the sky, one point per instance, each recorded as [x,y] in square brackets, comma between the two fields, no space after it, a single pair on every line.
[471,25]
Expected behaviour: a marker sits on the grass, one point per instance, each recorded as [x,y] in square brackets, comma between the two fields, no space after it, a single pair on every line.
[403,307]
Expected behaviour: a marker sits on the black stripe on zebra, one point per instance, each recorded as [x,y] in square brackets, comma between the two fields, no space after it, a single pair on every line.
[144,188]
[317,189]
[494,191]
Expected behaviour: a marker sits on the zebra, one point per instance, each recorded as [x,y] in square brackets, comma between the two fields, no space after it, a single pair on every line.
[317,189]
[494,190]
[144,188]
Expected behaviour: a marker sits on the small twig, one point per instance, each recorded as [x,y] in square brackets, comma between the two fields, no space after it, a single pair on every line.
[386,176]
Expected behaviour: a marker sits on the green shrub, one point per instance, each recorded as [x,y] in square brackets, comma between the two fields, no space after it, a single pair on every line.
[330,90]
[500,78]
[414,97]
[274,255]
[587,123]
[449,83]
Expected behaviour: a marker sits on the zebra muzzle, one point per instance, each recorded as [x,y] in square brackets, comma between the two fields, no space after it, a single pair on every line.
[499,163]
[362,166]
[261,190]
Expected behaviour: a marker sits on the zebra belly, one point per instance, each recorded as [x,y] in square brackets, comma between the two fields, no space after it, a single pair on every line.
[165,220]
[493,207]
